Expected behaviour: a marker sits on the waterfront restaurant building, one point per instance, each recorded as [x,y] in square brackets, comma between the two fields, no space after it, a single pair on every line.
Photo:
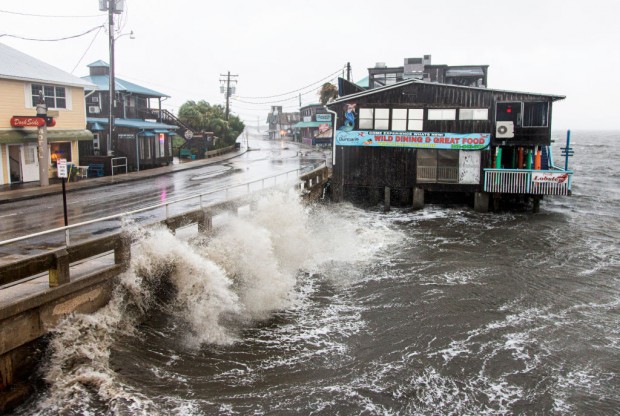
[21,79]
[417,137]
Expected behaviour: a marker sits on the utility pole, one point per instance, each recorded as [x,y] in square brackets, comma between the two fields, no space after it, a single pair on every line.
[113,7]
[227,90]
[44,156]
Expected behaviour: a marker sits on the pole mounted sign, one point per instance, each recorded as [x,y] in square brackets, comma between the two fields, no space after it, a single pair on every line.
[61,164]
[27,121]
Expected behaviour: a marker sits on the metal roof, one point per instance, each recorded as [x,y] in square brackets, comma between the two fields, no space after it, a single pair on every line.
[18,66]
[103,84]
[133,123]
[465,72]
[303,124]
[417,81]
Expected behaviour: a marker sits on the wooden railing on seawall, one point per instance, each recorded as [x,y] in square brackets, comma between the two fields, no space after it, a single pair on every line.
[68,288]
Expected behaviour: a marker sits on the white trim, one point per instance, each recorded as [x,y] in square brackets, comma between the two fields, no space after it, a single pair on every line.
[86,85]
[68,96]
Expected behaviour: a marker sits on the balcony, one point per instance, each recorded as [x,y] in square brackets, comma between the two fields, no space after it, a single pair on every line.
[528,182]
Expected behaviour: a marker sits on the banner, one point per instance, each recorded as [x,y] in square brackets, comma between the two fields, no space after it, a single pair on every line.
[453,141]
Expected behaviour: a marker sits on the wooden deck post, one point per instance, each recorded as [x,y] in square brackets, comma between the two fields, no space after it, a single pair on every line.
[418,198]
[386,199]
[481,202]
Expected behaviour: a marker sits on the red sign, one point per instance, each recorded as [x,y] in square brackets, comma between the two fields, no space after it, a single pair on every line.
[25,121]
[549,177]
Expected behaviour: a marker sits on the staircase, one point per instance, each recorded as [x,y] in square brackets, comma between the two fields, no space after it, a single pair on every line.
[165,116]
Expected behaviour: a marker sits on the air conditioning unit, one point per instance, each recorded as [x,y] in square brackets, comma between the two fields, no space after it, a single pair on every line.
[504,130]
[94,109]
[94,99]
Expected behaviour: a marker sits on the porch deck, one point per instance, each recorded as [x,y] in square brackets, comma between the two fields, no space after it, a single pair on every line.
[528,181]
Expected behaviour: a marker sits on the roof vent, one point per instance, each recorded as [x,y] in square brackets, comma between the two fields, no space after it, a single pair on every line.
[380,65]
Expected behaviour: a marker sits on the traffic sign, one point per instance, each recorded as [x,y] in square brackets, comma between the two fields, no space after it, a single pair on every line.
[61,164]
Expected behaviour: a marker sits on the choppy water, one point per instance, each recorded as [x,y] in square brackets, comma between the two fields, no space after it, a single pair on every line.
[337,310]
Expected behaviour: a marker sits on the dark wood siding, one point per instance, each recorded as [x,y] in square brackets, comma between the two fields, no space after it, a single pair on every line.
[375,167]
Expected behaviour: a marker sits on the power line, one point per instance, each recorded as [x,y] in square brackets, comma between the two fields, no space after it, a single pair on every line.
[276,101]
[51,40]
[87,49]
[297,90]
[48,15]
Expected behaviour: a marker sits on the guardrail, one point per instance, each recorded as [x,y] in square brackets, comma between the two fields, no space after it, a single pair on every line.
[227,193]
[526,181]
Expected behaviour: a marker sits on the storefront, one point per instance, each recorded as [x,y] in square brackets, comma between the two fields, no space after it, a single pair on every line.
[19,152]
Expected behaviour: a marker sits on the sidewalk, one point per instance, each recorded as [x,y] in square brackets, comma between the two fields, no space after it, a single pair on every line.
[20,192]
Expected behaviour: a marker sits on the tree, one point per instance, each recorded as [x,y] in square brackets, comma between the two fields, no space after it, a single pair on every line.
[327,93]
[204,117]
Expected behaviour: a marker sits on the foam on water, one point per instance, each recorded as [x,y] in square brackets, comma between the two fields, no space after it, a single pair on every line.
[211,286]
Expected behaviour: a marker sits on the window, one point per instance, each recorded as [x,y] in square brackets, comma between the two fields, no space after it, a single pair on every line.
[382,118]
[442,114]
[30,155]
[145,148]
[536,114]
[60,151]
[374,118]
[55,97]
[402,119]
[437,166]
[399,119]
[407,119]
[473,114]
[366,118]
[416,119]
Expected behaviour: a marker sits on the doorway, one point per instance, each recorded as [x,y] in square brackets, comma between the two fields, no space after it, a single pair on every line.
[15,163]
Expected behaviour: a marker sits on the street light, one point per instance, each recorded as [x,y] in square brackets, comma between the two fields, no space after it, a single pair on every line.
[113,7]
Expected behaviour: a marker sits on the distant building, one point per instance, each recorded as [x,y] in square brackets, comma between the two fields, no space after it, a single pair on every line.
[422,69]
[281,123]
[140,131]
[21,79]
[315,127]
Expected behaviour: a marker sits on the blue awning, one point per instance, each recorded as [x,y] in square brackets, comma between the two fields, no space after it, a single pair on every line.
[133,123]
[146,134]
[162,131]
[97,127]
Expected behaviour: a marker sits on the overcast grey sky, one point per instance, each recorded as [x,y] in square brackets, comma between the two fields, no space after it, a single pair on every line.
[564,47]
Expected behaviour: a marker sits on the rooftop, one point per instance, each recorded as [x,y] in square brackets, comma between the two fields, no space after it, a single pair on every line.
[18,66]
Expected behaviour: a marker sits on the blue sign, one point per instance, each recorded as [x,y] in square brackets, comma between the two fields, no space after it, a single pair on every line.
[323,117]
[455,141]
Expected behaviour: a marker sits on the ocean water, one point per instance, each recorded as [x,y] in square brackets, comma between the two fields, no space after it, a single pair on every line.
[337,310]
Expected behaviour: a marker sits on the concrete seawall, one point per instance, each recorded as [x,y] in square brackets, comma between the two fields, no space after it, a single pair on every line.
[42,290]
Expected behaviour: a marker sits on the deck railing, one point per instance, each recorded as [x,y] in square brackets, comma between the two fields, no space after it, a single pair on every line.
[524,181]
[437,174]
